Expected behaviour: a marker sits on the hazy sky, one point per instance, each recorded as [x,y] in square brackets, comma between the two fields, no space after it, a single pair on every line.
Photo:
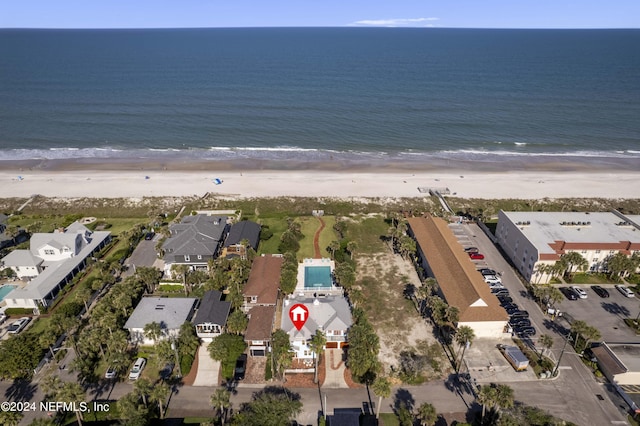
[302,13]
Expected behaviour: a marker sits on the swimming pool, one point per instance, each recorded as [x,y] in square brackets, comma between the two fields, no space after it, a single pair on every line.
[4,290]
[317,277]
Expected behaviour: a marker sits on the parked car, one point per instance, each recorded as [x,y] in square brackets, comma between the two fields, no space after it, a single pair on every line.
[579,291]
[3,318]
[137,368]
[496,286]
[519,314]
[166,371]
[111,373]
[149,236]
[487,271]
[476,256]
[241,367]
[512,309]
[504,299]
[520,322]
[600,291]
[18,325]
[471,249]
[525,331]
[626,292]
[492,279]
[500,291]
[569,293]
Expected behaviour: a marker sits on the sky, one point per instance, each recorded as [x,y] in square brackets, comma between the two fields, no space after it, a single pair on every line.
[320,13]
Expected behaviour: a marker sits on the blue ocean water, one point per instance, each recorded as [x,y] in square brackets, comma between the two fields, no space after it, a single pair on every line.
[317,93]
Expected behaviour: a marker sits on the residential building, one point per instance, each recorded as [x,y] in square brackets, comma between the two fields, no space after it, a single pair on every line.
[259,329]
[194,241]
[53,259]
[532,239]
[211,317]
[169,312]
[263,285]
[245,230]
[443,258]
[330,314]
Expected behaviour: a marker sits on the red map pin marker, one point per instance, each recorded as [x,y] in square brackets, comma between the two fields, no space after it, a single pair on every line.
[299,314]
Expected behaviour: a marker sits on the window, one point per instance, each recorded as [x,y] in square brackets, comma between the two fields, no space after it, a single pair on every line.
[187,258]
[199,257]
[584,252]
[49,252]
[254,299]
[595,259]
[597,251]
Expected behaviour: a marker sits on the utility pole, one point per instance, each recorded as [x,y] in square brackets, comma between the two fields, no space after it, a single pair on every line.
[567,340]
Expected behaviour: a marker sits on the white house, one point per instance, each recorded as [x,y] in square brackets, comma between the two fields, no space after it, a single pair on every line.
[169,312]
[51,262]
[330,314]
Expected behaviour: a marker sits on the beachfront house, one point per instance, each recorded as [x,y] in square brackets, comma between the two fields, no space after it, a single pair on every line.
[169,312]
[242,236]
[51,261]
[194,241]
[533,239]
[211,316]
[330,314]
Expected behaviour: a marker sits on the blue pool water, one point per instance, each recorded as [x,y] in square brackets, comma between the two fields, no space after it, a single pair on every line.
[317,276]
[4,290]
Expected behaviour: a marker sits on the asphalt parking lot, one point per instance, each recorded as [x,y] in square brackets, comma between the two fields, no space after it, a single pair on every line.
[607,314]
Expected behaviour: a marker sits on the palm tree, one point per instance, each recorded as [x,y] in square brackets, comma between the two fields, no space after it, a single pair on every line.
[142,387]
[574,261]
[487,395]
[10,418]
[464,337]
[221,402]
[504,397]
[546,342]
[152,331]
[159,394]
[427,414]
[381,387]
[352,246]
[237,322]
[316,344]
[182,271]
[333,247]
[72,392]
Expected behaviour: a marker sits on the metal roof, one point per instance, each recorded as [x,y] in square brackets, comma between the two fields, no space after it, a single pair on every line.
[169,312]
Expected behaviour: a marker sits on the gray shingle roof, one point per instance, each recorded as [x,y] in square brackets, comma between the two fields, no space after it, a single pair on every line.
[244,230]
[195,235]
[169,312]
[212,310]
[330,313]
[21,258]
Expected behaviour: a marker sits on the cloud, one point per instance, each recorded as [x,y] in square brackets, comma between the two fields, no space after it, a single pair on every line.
[399,22]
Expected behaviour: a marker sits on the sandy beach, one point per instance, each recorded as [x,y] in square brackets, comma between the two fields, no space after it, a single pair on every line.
[318,183]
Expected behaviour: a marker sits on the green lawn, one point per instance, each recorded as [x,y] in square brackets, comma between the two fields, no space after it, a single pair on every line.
[309,227]
[277,226]
[327,235]
[591,279]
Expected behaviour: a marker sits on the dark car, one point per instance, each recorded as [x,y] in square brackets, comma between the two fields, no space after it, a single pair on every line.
[487,271]
[476,256]
[505,300]
[525,331]
[569,293]
[149,236]
[241,367]
[520,322]
[499,291]
[600,291]
[166,371]
[512,308]
[519,314]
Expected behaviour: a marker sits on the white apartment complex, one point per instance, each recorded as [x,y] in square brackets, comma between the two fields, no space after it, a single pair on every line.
[530,239]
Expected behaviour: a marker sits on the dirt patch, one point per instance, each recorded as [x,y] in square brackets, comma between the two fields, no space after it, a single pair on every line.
[382,278]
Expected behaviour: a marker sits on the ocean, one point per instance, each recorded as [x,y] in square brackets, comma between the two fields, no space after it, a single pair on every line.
[319,94]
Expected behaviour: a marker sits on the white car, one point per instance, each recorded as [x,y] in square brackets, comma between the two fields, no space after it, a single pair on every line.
[137,368]
[625,290]
[492,279]
[19,325]
[580,292]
